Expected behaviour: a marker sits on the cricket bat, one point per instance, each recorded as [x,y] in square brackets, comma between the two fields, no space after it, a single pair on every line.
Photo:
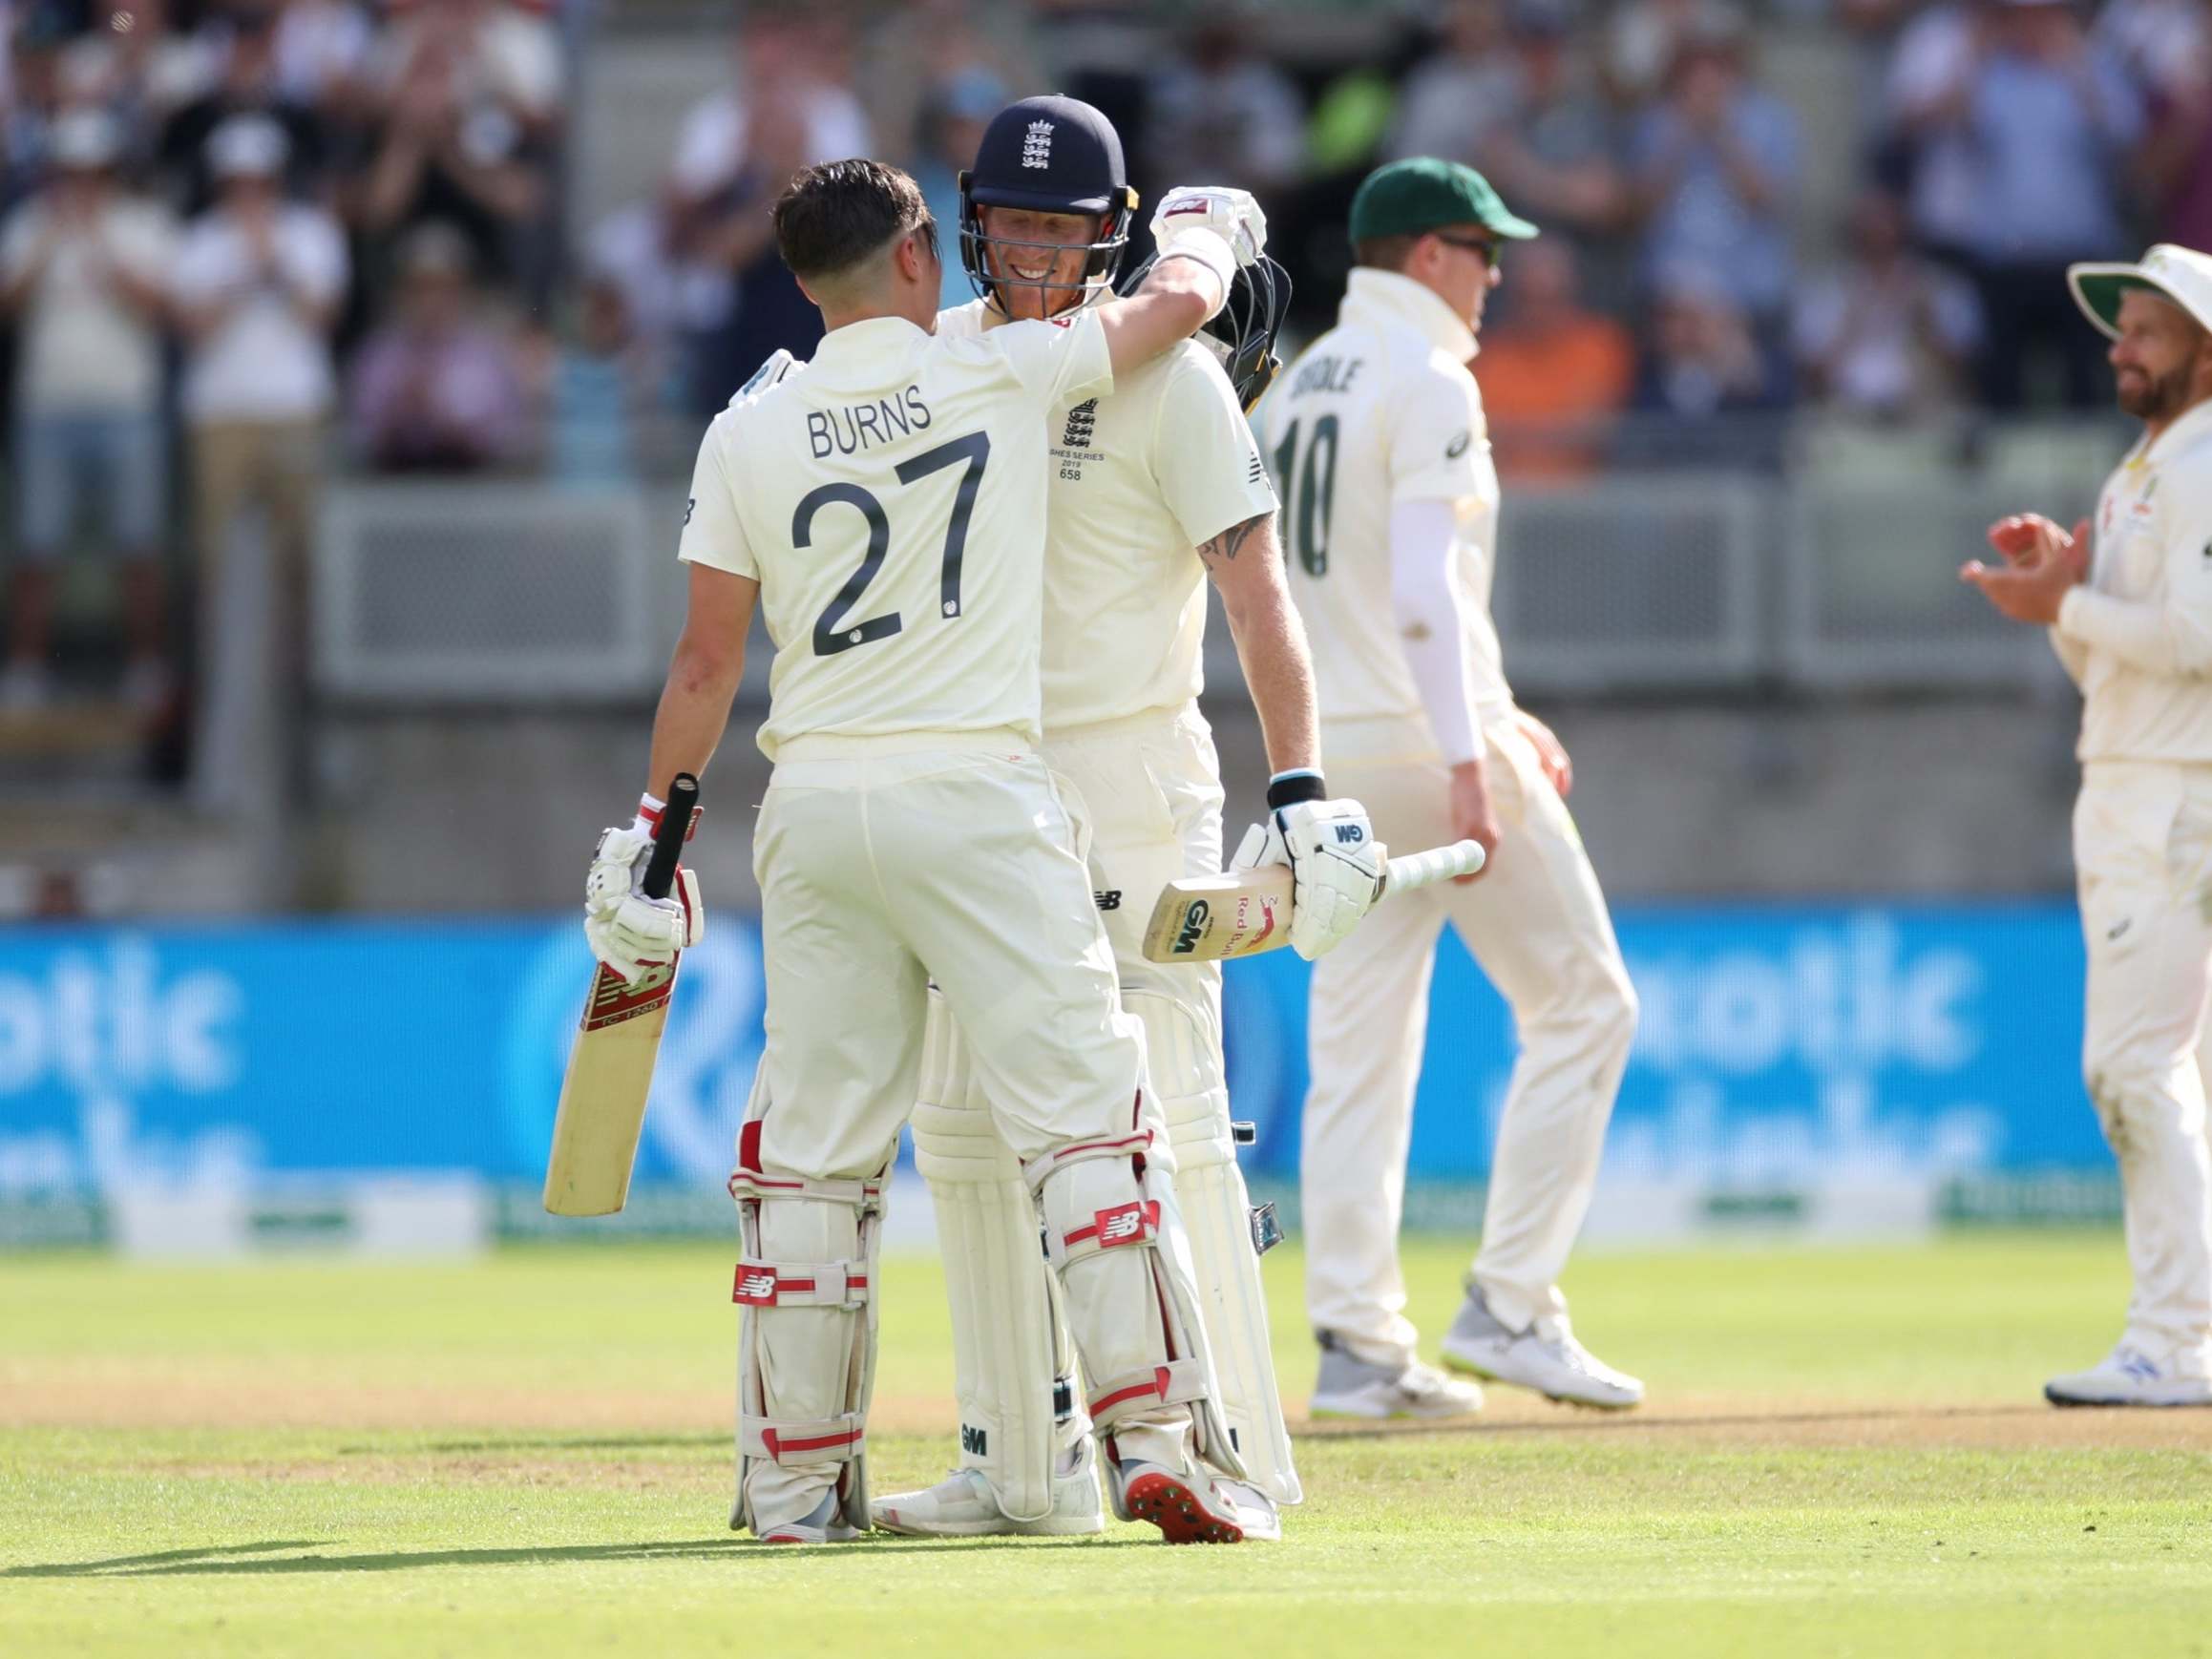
[610,1071]
[1241,913]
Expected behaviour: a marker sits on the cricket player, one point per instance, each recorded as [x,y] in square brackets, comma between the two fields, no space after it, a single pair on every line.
[1377,438]
[885,506]
[2130,615]
[1153,489]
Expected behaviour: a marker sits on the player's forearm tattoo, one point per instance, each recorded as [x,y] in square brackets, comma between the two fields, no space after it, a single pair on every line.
[1230,541]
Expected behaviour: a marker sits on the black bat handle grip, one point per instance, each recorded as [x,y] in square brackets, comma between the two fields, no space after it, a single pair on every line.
[668,838]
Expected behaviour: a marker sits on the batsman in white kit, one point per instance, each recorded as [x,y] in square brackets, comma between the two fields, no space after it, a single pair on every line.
[2129,607]
[1381,453]
[1153,489]
[885,504]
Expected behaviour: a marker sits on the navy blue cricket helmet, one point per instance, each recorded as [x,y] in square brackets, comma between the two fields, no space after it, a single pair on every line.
[1050,154]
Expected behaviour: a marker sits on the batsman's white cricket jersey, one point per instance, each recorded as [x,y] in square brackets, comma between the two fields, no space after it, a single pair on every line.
[891,501]
[1137,480]
[1377,411]
[2137,636]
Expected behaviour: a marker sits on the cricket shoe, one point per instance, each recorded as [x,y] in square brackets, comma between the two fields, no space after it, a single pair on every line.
[2128,1375]
[1352,1387]
[820,1525]
[963,1505]
[1553,1363]
[1193,1507]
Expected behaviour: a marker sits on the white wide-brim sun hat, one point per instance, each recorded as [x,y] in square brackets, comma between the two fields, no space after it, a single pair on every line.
[2182,275]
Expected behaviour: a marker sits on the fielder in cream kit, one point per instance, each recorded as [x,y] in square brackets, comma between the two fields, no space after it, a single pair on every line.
[1153,488]
[884,505]
[2129,605]
[1376,439]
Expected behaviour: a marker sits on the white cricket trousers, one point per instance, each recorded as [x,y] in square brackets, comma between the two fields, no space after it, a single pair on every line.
[2143,849]
[881,869]
[1537,924]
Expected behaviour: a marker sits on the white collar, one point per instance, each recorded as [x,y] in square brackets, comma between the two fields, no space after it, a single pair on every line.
[1413,304]
[868,343]
[2194,423]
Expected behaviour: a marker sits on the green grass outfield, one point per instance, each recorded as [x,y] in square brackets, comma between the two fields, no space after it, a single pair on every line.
[1845,1453]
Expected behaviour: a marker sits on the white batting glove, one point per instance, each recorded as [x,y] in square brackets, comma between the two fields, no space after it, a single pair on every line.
[1232,215]
[627,931]
[1335,862]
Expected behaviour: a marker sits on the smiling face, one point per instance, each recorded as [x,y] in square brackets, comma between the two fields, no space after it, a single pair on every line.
[1059,253]
[2162,361]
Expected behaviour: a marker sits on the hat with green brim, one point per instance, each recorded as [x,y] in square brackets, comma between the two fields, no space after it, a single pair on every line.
[2178,274]
[1424,193]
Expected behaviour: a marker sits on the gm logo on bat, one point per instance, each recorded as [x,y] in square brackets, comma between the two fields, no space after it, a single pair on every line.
[1194,927]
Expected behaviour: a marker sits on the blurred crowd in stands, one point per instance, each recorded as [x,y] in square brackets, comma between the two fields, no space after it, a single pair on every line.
[247,240]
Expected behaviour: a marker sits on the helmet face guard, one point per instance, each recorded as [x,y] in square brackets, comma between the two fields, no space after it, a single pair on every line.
[1242,334]
[1102,257]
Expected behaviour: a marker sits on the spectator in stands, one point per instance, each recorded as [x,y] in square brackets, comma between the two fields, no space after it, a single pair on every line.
[434,389]
[1223,111]
[242,48]
[1714,163]
[84,269]
[1554,375]
[1885,333]
[1646,38]
[258,281]
[952,123]
[465,142]
[592,391]
[141,68]
[326,54]
[2028,127]
[2167,47]
[1452,100]
[35,100]
[1556,147]
[787,109]
[1706,393]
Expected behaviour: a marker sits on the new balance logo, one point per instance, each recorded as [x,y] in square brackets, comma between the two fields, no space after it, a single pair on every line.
[1110,899]
[1036,147]
[974,1442]
[1255,471]
[1193,928]
[1082,424]
[1119,1227]
[756,1288]
[1349,832]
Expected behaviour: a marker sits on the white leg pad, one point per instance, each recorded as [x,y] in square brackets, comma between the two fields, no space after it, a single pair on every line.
[1115,1239]
[1007,1336]
[806,1344]
[1183,1046]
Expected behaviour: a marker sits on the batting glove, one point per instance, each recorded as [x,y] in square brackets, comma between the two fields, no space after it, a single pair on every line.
[627,931]
[1222,228]
[1335,862]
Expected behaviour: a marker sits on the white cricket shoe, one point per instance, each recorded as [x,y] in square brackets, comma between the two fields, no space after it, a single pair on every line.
[1554,1364]
[2128,1375]
[1352,1387]
[963,1505]
[820,1525]
[1193,1507]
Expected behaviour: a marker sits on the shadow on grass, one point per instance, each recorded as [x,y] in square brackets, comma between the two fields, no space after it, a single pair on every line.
[1584,1420]
[227,1559]
[720,1441]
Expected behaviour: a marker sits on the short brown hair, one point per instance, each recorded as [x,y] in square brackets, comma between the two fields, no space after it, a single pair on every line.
[833,216]
[1384,253]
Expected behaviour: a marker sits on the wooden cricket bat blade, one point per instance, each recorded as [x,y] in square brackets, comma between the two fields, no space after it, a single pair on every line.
[1242,912]
[610,1070]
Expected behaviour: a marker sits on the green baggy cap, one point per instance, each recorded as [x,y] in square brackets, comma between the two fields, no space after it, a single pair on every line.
[1424,193]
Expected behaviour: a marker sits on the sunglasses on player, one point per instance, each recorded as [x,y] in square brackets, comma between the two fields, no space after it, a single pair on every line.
[1474,244]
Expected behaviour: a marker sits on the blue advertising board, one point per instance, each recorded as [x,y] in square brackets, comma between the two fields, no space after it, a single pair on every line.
[1776,1044]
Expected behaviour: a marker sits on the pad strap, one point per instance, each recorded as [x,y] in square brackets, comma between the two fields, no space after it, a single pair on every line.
[781,1441]
[765,1284]
[1178,1382]
[1045,1164]
[1136,1223]
[752,1184]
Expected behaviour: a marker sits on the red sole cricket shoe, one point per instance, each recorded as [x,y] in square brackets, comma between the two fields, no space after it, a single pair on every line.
[1158,1498]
